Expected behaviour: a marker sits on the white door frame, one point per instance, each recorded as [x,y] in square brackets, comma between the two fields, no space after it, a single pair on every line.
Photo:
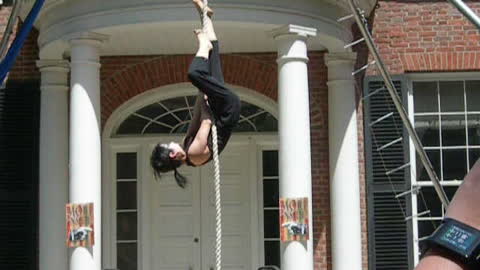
[142,145]
[112,145]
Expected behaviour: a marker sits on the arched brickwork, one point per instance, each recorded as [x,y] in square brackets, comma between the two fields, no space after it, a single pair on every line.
[133,79]
[425,36]
[441,61]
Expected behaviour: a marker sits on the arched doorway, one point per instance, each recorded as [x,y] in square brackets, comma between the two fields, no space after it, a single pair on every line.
[153,224]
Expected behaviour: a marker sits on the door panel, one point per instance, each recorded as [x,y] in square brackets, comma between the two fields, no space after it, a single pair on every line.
[176,252]
[183,231]
[235,211]
[171,195]
[175,216]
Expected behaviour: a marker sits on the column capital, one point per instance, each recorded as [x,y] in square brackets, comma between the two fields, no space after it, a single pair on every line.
[53,65]
[90,38]
[340,67]
[340,58]
[85,48]
[294,30]
[54,74]
[292,42]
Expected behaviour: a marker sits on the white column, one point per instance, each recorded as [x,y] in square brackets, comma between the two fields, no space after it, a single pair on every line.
[85,150]
[294,131]
[344,167]
[53,185]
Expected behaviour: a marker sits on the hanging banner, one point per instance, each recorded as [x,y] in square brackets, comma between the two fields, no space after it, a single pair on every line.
[293,219]
[80,227]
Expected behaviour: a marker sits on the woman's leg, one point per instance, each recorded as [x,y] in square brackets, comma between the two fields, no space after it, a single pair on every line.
[199,72]
[224,103]
[214,62]
[204,45]
[208,29]
[206,74]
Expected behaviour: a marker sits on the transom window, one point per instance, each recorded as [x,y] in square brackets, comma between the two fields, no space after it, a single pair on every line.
[172,116]
[447,120]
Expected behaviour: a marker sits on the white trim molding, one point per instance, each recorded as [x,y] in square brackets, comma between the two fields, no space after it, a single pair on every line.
[143,144]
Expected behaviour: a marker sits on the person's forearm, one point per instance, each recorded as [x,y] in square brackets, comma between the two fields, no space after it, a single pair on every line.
[465,208]
[197,114]
[436,259]
[206,111]
[465,204]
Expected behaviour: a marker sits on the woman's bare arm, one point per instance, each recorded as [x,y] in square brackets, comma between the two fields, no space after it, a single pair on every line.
[200,113]
[438,260]
[198,152]
[197,114]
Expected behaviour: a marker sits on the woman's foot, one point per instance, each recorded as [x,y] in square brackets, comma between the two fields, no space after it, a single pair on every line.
[199,6]
[204,44]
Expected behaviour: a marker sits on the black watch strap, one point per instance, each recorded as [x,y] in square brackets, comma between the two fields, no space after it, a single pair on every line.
[458,240]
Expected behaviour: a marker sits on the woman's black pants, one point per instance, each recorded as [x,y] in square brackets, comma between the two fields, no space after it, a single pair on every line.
[207,76]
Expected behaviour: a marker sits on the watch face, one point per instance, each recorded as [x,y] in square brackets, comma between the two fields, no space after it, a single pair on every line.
[458,238]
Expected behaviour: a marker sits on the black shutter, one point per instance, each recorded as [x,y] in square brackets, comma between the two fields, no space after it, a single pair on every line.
[390,241]
[19,128]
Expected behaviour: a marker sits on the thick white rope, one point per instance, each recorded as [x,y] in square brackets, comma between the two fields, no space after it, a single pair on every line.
[216,164]
[205,15]
[218,204]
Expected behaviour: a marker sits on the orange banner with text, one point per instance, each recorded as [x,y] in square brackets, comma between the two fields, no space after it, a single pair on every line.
[294,219]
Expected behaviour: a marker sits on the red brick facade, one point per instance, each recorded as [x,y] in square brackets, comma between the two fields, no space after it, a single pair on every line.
[426,36]
[123,78]
[24,68]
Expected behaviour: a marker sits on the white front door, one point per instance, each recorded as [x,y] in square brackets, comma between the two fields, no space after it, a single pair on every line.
[183,220]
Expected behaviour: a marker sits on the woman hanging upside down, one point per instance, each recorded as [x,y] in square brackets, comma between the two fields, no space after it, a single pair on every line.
[215,103]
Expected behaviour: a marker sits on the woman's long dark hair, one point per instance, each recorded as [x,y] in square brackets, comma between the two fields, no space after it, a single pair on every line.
[161,163]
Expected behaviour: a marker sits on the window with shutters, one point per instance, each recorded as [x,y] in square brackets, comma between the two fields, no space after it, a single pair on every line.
[447,119]
[390,241]
[446,116]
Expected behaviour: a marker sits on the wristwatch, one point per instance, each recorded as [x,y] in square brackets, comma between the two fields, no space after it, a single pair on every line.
[458,240]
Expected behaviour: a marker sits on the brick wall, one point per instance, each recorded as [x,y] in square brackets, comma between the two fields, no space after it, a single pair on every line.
[426,36]
[126,77]
[4,16]
[362,60]
[24,68]
[320,163]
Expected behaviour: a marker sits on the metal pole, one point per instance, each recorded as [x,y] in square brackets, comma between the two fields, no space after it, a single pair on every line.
[468,12]
[398,104]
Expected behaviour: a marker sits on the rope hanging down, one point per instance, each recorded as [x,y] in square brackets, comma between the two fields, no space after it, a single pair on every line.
[216,164]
